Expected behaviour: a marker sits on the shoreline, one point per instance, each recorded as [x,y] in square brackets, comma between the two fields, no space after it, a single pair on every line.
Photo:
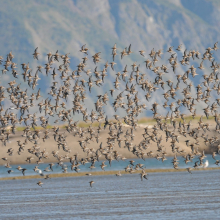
[103,173]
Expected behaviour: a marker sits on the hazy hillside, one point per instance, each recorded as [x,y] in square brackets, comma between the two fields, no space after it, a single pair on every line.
[67,25]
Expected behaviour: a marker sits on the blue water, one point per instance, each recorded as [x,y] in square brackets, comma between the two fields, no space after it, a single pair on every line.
[174,195]
[149,163]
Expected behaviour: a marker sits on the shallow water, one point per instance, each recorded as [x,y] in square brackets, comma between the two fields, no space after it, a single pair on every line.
[163,196]
[149,163]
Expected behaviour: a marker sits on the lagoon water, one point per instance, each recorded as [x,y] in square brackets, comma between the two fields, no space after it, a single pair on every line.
[177,195]
[149,163]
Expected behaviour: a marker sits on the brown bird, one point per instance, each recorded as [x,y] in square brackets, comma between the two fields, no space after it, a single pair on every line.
[142,52]
[189,169]
[91,182]
[39,183]
[36,54]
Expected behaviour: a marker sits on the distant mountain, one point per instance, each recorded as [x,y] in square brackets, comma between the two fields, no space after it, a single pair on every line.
[67,25]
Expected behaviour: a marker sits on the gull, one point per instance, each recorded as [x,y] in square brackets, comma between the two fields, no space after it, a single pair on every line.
[206,164]
[40,172]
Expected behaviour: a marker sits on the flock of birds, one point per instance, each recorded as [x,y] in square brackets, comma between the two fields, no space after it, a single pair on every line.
[127,86]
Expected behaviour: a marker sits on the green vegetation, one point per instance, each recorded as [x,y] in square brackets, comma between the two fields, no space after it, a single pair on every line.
[144,120]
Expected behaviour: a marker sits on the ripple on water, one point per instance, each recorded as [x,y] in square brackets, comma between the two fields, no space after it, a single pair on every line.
[163,196]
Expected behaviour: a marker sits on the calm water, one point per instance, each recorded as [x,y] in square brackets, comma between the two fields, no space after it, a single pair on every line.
[163,196]
[149,163]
